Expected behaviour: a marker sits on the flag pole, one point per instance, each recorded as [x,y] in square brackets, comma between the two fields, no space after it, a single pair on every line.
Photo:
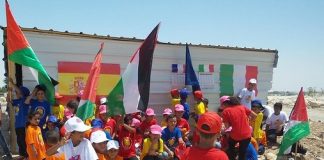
[296,150]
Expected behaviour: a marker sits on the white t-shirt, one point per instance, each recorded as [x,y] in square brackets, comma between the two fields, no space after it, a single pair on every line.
[274,120]
[267,111]
[84,151]
[244,95]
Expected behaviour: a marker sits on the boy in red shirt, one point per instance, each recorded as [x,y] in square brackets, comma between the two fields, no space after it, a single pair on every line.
[126,138]
[109,123]
[182,123]
[148,122]
[208,126]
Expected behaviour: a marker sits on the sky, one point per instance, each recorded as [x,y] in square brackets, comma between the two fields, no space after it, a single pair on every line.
[294,27]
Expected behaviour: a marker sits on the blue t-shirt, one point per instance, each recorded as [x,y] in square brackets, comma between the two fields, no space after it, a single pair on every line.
[21,112]
[171,138]
[42,107]
[186,110]
[251,153]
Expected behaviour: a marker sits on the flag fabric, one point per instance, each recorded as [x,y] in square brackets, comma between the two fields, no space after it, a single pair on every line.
[298,126]
[190,76]
[87,103]
[178,68]
[131,93]
[235,77]
[20,52]
[206,68]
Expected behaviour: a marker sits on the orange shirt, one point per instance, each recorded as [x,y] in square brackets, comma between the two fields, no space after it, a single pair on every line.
[34,137]
[105,157]
[56,157]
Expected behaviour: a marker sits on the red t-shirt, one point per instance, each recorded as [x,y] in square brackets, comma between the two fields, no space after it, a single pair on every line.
[126,142]
[145,126]
[110,126]
[237,117]
[183,124]
[197,153]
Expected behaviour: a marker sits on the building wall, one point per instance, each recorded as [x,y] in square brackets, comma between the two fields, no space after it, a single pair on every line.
[51,48]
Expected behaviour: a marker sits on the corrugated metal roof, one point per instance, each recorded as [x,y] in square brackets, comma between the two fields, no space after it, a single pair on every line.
[134,39]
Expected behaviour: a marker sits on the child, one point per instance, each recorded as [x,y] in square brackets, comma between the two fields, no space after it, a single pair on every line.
[175,97]
[53,138]
[72,106]
[109,124]
[112,150]
[275,123]
[182,124]
[166,112]
[200,107]
[99,143]
[77,147]
[51,124]
[148,122]
[39,104]
[126,136]
[209,127]
[171,135]
[57,108]
[34,139]
[183,101]
[257,122]
[153,146]
[248,94]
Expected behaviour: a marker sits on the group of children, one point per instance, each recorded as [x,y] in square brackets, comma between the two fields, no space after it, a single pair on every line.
[55,132]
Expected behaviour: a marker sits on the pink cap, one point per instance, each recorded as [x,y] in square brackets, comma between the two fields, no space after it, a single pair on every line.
[223,99]
[135,122]
[229,129]
[150,112]
[156,129]
[80,93]
[67,113]
[167,111]
[102,109]
[178,107]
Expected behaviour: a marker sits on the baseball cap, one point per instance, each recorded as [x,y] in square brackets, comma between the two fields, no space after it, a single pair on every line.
[98,136]
[183,93]
[223,99]
[253,81]
[167,111]
[178,107]
[96,123]
[102,109]
[24,90]
[103,100]
[211,120]
[52,119]
[198,94]
[174,92]
[67,113]
[75,124]
[150,112]
[58,96]
[156,129]
[112,144]
[135,122]
[257,102]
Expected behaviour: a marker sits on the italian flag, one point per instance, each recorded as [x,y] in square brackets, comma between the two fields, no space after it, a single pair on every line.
[235,77]
[298,126]
[206,68]
[20,52]
[87,103]
[131,93]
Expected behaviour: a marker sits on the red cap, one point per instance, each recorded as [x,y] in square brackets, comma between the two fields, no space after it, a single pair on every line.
[212,121]
[58,96]
[198,94]
[175,92]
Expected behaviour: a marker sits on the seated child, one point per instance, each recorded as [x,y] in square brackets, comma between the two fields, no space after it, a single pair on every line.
[153,145]
[148,122]
[99,141]
[112,151]
[53,138]
[166,112]
[275,123]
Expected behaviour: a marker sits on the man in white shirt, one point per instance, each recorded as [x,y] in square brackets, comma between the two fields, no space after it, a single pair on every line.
[275,123]
[248,94]
[77,147]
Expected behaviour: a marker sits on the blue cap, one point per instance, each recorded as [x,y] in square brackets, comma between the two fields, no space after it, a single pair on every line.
[52,119]
[96,123]
[183,93]
[24,91]
[256,102]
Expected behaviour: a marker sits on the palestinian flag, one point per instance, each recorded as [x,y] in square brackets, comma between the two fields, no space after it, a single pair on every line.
[235,77]
[87,103]
[20,52]
[298,126]
[131,93]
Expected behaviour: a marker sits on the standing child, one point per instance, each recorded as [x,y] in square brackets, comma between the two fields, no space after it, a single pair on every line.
[200,107]
[77,147]
[57,108]
[34,139]
[183,101]
[175,97]
[153,146]
[248,94]
[257,122]
[53,138]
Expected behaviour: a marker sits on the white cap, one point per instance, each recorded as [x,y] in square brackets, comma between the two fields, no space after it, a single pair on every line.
[103,100]
[253,81]
[98,136]
[75,124]
[112,144]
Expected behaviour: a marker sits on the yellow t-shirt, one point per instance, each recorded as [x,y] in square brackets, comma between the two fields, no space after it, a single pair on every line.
[147,144]
[58,111]
[34,137]
[164,123]
[200,108]
[175,101]
[256,125]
